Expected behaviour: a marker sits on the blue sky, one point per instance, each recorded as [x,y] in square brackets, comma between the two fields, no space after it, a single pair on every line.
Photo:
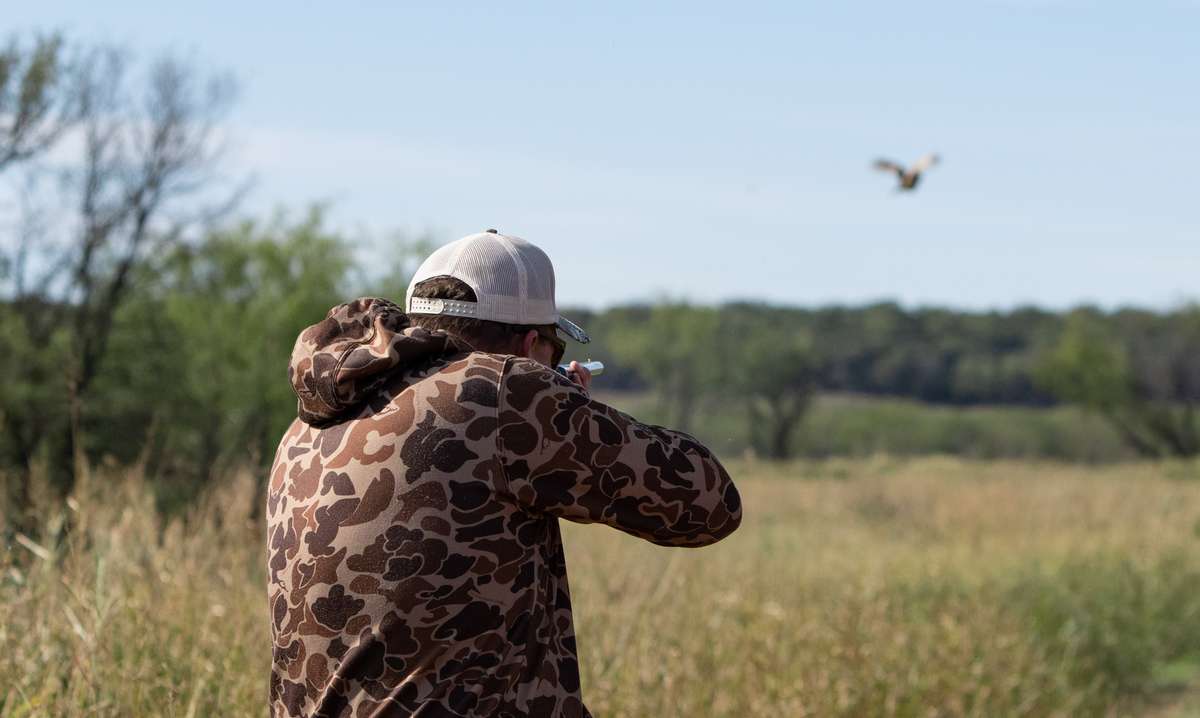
[721,151]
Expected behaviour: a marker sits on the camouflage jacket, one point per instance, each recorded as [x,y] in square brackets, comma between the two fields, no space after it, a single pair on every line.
[415,563]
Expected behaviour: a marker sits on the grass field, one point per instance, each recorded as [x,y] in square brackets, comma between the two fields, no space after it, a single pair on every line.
[854,588]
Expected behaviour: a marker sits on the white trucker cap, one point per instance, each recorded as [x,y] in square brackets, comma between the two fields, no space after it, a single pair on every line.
[513,282]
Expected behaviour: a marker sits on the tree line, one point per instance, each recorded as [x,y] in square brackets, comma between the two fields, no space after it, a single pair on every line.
[1138,369]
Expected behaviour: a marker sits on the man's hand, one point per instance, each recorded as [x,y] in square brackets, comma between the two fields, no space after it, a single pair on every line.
[580,375]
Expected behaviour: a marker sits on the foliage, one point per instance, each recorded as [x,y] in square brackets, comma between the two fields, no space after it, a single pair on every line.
[1138,371]
[675,347]
[1088,366]
[934,355]
[854,425]
[774,375]
[738,357]
[134,157]
[203,347]
[32,398]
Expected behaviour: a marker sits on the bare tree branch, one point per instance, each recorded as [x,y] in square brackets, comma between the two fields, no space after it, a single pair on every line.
[141,158]
[37,102]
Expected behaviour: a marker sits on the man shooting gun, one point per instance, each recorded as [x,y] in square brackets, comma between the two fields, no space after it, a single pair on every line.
[415,562]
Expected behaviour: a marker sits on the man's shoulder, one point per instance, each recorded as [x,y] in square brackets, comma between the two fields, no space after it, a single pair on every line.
[470,380]
[460,386]
[475,374]
[507,370]
[481,364]
[475,367]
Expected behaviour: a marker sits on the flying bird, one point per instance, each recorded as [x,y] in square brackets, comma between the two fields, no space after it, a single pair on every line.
[910,176]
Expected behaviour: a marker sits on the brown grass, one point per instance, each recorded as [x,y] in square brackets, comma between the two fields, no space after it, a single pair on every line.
[880,587]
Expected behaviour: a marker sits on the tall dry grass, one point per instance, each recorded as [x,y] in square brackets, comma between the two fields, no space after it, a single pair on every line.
[133,615]
[914,588]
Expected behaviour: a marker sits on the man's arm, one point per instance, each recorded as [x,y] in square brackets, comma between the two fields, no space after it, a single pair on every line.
[568,455]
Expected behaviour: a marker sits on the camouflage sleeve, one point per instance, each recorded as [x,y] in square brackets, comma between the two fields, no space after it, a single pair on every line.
[571,456]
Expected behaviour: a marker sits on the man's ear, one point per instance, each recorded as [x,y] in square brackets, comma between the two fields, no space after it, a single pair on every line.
[527,341]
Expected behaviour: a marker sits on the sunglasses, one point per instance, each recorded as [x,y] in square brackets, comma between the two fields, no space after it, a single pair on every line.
[560,347]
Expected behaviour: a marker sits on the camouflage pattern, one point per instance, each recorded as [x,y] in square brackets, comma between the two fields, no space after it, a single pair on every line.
[415,562]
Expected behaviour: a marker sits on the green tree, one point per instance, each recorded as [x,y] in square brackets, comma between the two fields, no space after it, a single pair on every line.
[201,353]
[1143,381]
[38,104]
[676,349]
[772,370]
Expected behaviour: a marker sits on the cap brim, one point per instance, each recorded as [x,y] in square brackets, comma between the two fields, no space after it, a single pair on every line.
[572,330]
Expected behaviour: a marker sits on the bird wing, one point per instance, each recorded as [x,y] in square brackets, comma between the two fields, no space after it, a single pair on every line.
[889,166]
[924,163]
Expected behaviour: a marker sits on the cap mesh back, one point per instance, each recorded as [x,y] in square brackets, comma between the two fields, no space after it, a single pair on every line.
[539,273]
[493,272]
